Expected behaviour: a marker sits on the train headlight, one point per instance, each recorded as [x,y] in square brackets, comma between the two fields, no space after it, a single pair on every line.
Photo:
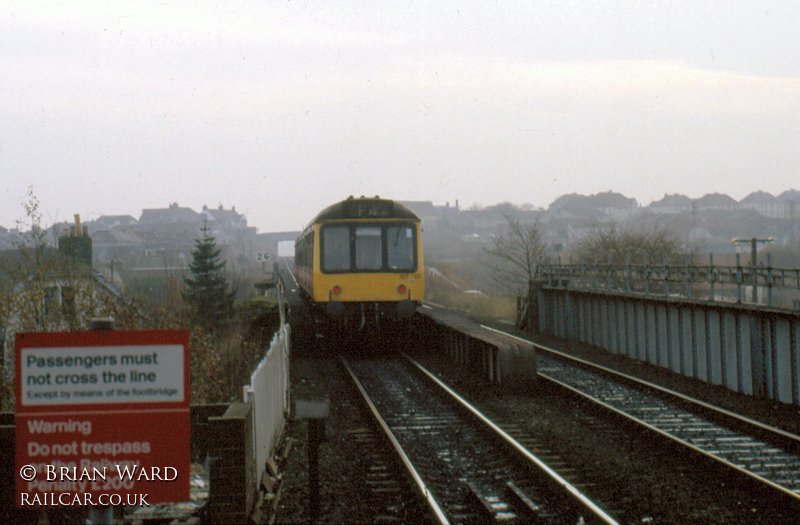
[337,289]
[402,289]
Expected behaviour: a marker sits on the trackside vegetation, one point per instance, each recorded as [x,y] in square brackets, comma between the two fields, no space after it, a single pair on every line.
[44,290]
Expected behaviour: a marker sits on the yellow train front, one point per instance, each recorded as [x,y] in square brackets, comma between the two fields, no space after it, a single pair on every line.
[359,262]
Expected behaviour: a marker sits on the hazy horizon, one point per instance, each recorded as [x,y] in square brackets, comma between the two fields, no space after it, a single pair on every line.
[283,109]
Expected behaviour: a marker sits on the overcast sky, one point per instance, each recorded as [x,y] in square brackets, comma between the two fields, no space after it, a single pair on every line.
[280,108]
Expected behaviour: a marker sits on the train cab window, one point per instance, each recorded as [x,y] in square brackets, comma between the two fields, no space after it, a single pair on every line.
[369,253]
[400,247]
[335,248]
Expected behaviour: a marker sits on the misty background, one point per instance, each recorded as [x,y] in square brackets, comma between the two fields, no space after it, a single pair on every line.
[280,109]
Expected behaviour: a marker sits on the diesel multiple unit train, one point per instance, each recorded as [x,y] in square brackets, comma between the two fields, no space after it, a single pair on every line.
[359,262]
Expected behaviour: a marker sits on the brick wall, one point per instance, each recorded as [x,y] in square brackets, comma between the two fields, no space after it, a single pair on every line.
[232,468]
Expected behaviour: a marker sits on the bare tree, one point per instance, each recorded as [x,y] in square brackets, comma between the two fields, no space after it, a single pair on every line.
[516,254]
[41,290]
[634,245]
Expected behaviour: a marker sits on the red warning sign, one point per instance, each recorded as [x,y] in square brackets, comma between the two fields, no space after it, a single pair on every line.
[102,415]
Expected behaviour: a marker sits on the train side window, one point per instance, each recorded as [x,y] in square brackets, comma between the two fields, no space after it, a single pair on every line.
[400,247]
[369,253]
[300,252]
[310,250]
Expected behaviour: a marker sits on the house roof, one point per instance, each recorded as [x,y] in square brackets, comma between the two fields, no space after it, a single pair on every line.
[589,206]
[608,199]
[716,199]
[116,236]
[612,199]
[222,215]
[174,214]
[789,195]
[106,222]
[758,197]
[672,200]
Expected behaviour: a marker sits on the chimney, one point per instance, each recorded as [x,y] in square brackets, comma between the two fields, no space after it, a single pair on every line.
[76,243]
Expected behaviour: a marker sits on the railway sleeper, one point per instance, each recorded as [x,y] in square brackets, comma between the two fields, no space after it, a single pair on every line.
[789,482]
[487,507]
[526,509]
[386,490]
[757,461]
[386,482]
[778,476]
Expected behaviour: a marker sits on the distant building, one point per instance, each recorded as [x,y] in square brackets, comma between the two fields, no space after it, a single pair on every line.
[107,222]
[788,204]
[231,218]
[600,207]
[226,225]
[764,203]
[716,201]
[117,243]
[172,215]
[65,293]
[675,203]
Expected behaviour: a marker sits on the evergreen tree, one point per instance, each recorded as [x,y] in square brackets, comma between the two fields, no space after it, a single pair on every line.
[207,291]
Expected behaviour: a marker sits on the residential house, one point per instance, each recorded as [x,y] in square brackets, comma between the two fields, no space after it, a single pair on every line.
[109,222]
[789,205]
[670,204]
[598,208]
[226,225]
[52,289]
[716,201]
[764,203]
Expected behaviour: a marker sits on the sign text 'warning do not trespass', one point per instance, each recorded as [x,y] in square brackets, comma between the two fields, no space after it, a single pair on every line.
[102,412]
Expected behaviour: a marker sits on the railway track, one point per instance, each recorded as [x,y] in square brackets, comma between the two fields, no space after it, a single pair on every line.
[453,452]
[766,455]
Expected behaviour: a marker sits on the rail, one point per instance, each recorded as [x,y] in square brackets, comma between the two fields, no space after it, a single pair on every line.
[443,434]
[594,511]
[767,285]
[437,513]
[765,454]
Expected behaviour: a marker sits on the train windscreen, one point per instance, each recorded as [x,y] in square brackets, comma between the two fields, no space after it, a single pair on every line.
[400,247]
[368,248]
[336,248]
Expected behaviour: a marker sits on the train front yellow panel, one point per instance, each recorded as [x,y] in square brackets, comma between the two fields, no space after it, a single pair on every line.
[369,287]
[372,252]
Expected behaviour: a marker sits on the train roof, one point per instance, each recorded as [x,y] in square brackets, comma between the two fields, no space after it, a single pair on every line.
[366,208]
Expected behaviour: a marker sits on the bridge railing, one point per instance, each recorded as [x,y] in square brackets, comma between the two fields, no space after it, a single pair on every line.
[767,285]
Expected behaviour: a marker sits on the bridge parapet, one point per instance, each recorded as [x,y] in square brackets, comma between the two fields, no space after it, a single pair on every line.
[766,285]
[747,348]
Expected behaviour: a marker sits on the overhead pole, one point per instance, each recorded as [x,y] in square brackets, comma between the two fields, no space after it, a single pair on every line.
[753,241]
